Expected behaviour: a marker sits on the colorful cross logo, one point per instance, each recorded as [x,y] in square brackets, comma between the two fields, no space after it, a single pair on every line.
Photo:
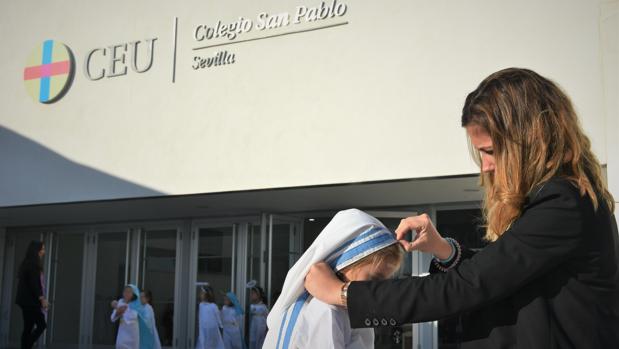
[49,72]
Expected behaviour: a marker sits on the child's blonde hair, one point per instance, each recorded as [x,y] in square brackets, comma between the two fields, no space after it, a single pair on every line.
[392,255]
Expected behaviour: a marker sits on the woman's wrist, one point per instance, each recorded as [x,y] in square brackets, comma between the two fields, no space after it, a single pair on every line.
[453,260]
[444,250]
[344,294]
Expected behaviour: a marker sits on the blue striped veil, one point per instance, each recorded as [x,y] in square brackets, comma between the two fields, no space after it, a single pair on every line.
[349,237]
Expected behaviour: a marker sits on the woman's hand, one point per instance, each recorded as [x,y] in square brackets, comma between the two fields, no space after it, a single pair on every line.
[427,238]
[322,283]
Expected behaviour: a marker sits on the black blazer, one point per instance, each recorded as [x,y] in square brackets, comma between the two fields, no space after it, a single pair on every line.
[550,281]
[29,288]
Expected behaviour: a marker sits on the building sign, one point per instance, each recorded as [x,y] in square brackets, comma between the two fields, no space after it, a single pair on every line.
[49,71]
[113,59]
[263,22]
[51,67]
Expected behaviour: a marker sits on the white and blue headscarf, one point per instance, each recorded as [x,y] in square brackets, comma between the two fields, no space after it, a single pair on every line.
[239,311]
[350,236]
[147,333]
[235,302]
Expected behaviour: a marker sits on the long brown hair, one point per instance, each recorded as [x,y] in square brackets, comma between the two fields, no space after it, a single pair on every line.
[536,135]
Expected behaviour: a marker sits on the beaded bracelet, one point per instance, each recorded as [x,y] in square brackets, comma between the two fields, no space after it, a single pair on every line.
[454,261]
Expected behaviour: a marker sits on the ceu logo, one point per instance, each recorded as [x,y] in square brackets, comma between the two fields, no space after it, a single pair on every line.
[49,72]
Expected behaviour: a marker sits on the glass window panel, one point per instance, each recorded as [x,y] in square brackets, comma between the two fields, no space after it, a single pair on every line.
[214,264]
[65,290]
[253,258]
[281,258]
[466,227]
[109,284]
[215,259]
[16,321]
[158,275]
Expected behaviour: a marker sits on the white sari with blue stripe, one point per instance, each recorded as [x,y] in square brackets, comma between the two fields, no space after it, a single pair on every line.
[299,321]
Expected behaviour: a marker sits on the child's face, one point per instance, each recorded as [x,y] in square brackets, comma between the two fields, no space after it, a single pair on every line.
[143,298]
[127,294]
[227,301]
[369,272]
[254,296]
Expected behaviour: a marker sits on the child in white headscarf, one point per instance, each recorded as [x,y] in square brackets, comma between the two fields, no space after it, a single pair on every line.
[258,318]
[232,318]
[128,331]
[358,247]
[136,326]
[209,321]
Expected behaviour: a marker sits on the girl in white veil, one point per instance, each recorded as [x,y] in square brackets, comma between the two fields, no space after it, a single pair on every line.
[358,247]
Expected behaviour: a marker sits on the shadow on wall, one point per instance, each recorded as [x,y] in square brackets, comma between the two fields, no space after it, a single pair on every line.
[30,173]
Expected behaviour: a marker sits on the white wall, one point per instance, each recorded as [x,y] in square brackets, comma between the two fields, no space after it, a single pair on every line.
[609,29]
[376,99]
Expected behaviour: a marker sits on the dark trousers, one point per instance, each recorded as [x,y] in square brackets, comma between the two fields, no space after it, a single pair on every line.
[32,316]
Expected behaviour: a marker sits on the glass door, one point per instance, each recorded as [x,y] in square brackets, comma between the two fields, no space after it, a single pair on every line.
[255,254]
[65,288]
[158,274]
[16,245]
[285,237]
[213,264]
[110,275]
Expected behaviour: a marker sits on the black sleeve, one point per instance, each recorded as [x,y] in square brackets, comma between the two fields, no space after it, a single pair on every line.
[549,231]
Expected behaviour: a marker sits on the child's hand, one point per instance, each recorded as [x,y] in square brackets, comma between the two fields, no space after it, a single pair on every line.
[427,238]
[114,304]
[121,309]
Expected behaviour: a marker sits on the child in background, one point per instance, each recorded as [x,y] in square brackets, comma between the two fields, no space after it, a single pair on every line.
[232,318]
[146,297]
[258,323]
[128,330]
[358,247]
[209,321]
[135,330]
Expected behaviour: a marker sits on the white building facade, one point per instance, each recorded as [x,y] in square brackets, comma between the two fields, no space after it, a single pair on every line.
[169,144]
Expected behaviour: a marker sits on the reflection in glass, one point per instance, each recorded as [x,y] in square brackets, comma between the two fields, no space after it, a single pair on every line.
[214,265]
[466,227]
[109,284]
[283,257]
[16,321]
[158,275]
[65,291]
[215,259]
[253,257]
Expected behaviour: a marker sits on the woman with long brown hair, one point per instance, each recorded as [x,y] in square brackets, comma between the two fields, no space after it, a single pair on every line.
[31,294]
[549,277]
